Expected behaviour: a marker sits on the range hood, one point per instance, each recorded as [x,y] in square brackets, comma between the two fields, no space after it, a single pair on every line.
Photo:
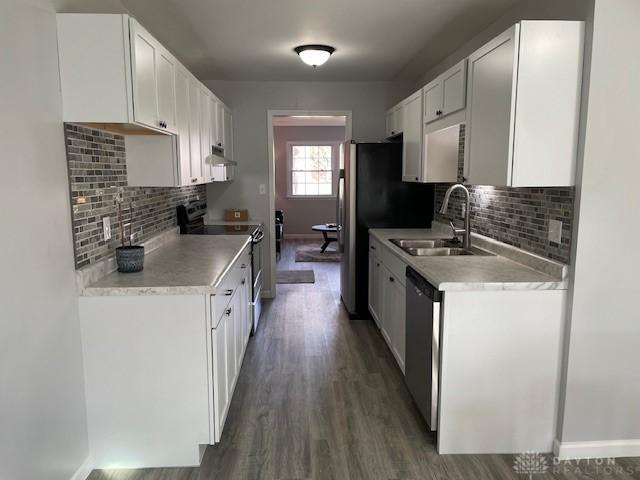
[219,159]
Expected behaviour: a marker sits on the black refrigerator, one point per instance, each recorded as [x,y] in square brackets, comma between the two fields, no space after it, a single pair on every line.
[371,194]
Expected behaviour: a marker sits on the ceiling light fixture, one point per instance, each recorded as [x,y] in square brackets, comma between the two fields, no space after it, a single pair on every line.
[314,55]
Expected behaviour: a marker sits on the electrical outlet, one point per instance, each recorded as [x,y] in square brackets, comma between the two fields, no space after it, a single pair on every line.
[555,231]
[262,189]
[106,228]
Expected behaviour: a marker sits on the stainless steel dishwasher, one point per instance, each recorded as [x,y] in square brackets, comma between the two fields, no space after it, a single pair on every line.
[422,355]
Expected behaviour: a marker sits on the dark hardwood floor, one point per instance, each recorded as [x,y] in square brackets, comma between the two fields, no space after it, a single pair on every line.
[320,397]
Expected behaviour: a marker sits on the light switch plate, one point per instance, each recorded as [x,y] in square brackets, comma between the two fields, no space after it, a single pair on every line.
[106,228]
[555,231]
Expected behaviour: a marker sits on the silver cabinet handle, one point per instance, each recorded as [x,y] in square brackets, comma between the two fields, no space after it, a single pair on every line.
[228,293]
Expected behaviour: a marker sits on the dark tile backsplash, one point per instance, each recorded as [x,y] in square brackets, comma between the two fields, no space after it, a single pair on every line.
[97,175]
[516,216]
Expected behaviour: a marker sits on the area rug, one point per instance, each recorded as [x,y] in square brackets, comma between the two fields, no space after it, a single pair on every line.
[295,276]
[313,254]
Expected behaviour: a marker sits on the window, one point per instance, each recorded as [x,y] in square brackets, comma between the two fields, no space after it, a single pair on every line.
[311,170]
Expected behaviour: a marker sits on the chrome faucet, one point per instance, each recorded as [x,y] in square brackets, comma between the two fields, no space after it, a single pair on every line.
[466,231]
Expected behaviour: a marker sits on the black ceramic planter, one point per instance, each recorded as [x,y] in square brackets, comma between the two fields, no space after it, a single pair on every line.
[130,259]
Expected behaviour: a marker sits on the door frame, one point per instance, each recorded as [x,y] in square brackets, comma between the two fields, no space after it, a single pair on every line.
[270,291]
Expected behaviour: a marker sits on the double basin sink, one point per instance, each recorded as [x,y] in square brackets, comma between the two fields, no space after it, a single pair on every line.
[437,247]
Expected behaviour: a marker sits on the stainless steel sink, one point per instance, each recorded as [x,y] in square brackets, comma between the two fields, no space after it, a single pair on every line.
[437,247]
[426,243]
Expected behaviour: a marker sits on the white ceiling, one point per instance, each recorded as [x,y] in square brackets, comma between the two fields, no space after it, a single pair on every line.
[254,39]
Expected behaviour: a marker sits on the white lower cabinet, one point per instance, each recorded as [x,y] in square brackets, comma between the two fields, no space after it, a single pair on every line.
[387,301]
[230,335]
[374,288]
[394,317]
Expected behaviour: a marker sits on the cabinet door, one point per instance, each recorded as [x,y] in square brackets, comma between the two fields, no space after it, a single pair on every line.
[166,67]
[398,120]
[232,362]
[490,108]
[374,290]
[238,320]
[228,133]
[412,138]
[220,378]
[194,131]
[386,319]
[248,300]
[388,119]
[182,126]
[145,93]
[395,310]
[432,93]
[454,88]
[216,122]
[205,134]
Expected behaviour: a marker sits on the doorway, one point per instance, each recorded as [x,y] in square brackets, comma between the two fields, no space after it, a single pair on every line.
[304,169]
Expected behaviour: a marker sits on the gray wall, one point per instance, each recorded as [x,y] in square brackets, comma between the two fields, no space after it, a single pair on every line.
[302,213]
[524,10]
[250,101]
[602,391]
[43,431]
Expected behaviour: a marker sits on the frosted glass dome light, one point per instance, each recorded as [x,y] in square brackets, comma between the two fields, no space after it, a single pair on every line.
[314,55]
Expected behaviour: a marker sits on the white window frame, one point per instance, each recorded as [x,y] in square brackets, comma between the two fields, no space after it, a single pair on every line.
[335,154]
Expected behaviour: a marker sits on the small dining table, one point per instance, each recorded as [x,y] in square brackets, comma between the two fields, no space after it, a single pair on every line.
[326,229]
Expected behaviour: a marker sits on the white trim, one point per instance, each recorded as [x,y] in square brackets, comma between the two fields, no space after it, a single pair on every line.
[83,470]
[270,288]
[303,236]
[599,449]
[334,168]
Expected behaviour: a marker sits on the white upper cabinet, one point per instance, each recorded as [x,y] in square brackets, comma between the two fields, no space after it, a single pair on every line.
[182,126]
[166,90]
[145,91]
[117,76]
[217,124]
[205,133]
[227,126]
[197,171]
[446,94]
[432,100]
[153,76]
[394,121]
[412,138]
[523,106]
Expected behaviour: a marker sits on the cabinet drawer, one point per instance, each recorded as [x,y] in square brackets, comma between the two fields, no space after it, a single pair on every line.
[383,253]
[396,266]
[375,247]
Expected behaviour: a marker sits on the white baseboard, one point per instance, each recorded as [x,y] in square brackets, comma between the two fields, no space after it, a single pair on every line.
[302,236]
[600,449]
[83,471]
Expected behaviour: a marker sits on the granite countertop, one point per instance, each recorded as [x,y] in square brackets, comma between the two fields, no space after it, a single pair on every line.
[469,272]
[188,265]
